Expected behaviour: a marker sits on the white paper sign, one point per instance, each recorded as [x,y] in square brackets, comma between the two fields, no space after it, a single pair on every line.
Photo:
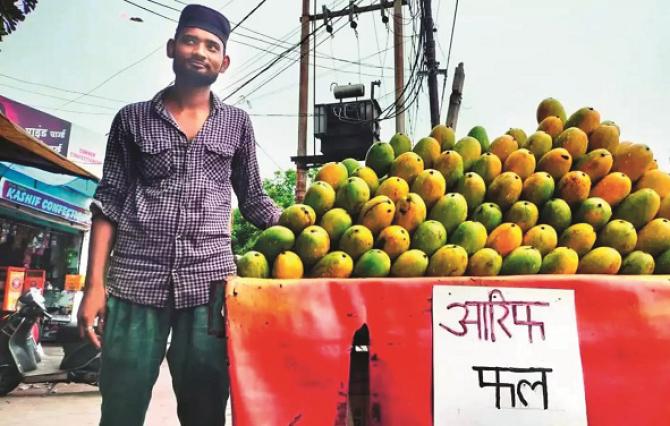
[506,356]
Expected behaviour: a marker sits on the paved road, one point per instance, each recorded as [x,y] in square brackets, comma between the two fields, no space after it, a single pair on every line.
[75,404]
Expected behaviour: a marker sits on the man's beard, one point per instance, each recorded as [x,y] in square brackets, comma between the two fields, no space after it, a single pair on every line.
[192,77]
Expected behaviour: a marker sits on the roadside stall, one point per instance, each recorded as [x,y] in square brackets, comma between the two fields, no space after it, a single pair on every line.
[519,281]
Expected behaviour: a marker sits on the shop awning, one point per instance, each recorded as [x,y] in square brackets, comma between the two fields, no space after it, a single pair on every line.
[17,146]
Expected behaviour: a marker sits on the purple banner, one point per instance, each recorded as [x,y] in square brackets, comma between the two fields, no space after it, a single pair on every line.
[28,197]
[51,130]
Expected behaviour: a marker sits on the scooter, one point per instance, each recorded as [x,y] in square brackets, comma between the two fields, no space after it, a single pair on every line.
[22,360]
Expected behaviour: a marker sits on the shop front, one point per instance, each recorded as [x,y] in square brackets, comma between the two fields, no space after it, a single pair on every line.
[44,208]
[43,227]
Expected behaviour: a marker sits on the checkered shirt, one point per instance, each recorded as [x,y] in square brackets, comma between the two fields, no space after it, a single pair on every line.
[171,201]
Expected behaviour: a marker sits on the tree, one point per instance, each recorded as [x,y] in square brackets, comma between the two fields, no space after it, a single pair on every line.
[12,12]
[281,188]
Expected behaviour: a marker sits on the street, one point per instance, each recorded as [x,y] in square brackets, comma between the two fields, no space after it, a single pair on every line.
[80,405]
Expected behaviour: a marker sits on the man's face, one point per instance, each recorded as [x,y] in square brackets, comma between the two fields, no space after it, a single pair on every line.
[198,56]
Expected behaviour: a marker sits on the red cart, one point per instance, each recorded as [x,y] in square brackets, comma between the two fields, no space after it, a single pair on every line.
[292,349]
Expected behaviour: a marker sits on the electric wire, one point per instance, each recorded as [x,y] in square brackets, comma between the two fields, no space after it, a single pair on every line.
[451,41]
[249,14]
[273,62]
[128,66]
[282,70]
[60,89]
[108,79]
[55,97]
[291,86]
[82,94]
[89,93]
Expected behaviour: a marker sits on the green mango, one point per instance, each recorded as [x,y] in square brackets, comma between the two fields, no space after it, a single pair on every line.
[253,265]
[479,133]
[373,263]
[524,260]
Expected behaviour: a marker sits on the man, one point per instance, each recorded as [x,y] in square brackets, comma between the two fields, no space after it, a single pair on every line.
[163,206]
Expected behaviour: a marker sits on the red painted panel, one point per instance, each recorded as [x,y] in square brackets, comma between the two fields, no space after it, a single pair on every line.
[289,345]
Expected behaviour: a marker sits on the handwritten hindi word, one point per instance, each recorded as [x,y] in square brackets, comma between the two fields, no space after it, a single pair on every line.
[516,387]
[495,311]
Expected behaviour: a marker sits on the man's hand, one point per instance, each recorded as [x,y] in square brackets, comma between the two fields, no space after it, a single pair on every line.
[92,307]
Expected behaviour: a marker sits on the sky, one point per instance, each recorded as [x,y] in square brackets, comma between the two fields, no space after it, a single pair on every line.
[610,55]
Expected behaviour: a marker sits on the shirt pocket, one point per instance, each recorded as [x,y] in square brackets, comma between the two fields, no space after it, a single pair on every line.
[155,159]
[217,161]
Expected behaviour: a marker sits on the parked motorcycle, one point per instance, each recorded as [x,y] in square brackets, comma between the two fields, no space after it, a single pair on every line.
[23,361]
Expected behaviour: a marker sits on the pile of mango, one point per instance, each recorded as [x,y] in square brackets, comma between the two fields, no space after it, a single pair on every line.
[570,198]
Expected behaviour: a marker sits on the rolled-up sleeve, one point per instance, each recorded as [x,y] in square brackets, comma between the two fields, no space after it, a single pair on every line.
[254,204]
[116,174]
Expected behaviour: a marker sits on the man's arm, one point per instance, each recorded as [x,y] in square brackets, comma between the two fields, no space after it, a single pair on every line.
[254,204]
[103,232]
[106,208]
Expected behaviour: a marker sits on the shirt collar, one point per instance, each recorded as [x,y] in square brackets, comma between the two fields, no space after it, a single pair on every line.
[159,106]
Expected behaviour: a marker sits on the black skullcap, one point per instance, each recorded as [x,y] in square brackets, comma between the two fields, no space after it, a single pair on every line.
[205,18]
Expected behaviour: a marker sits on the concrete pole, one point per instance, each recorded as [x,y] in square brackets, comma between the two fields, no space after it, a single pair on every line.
[301,178]
[431,64]
[398,64]
[456,96]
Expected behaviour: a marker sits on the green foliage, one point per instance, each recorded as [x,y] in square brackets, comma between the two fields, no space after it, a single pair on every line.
[281,188]
[12,12]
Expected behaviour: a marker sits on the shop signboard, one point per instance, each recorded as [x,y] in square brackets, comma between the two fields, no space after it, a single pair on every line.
[37,200]
[87,149]
[506,356]
[53,131]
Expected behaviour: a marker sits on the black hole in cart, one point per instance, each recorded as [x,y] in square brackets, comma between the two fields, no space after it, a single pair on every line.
[358,411]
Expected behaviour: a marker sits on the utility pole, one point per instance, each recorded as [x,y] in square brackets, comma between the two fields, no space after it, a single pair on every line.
[301,170]
[456,96]
[398,66]
[327,15]
[431,63]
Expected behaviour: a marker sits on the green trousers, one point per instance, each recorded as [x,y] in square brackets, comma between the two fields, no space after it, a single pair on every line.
[134,346]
